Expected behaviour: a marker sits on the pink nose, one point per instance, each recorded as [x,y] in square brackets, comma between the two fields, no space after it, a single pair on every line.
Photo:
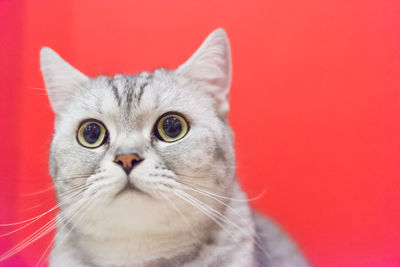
[127,161]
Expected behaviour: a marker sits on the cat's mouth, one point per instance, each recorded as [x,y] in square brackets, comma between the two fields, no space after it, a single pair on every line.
[129,188]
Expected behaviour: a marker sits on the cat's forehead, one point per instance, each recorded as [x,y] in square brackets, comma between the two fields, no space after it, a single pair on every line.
[133,99]
[128,89]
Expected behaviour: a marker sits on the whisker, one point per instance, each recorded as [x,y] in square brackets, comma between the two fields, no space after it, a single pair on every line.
[212,210]
[43,231]
[40,262]
[180,214]
[201,208]
[75,176]
[39,216]
[227,220]
[59,195]
[86,208]
[258,239]
[29,240]
[73,189]
[195,177]
[223,197]
[70,178]
[36,218]
[36,88]
[38,192]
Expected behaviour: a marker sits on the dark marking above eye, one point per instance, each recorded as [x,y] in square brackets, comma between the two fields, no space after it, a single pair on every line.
[142,86]
[129,97]
[115,91]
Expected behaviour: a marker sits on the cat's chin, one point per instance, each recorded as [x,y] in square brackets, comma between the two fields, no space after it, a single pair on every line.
[130,212]
[130,190]
[131,198]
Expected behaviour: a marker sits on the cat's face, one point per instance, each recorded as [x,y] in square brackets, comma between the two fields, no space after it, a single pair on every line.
[138,151]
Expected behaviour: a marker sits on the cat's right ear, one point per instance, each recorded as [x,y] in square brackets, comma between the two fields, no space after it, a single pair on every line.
[211,65]
[60,78]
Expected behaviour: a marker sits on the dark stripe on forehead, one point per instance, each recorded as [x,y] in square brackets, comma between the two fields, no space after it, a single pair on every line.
[146,78]
[128,90]
[142,86]
[129,93]
[115,91]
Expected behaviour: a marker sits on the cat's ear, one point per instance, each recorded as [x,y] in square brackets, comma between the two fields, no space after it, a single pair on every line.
[211,66]
[60,78]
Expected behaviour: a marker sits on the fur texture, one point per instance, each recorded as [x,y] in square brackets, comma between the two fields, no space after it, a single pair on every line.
[186,208]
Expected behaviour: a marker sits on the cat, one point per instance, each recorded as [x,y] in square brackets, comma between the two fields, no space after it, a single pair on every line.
[144,169]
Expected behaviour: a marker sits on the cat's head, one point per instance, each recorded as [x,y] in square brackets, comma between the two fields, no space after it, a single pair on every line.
[138,150]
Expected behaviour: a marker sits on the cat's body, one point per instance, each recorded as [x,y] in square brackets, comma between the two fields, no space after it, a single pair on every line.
[144,169]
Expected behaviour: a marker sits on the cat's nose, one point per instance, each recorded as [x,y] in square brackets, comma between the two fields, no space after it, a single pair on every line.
[127,161]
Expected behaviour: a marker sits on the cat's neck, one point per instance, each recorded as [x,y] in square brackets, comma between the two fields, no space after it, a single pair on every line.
[233,243]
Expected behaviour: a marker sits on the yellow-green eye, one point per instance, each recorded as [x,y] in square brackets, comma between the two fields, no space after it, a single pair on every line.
[91,134]
[171,127]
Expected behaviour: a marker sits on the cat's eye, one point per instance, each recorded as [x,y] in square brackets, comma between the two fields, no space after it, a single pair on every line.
[91,133]
[171,127]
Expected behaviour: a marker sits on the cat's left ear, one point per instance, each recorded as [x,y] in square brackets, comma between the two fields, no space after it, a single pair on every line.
[61,79]
[211,67]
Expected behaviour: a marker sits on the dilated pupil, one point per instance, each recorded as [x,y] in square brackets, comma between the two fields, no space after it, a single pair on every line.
[172,127]
[91,133]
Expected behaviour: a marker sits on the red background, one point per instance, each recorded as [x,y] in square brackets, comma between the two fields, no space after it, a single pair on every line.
[314,105]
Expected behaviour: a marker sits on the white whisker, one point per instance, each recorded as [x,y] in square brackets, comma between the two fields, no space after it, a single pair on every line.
[36,88]
[258,239]
[201,208]
[84,207]
[38,192]
[180,214]
[31,220]
[224,197]
[42,231]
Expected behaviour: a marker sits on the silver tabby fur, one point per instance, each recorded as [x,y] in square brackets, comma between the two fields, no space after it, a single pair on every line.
[187,208]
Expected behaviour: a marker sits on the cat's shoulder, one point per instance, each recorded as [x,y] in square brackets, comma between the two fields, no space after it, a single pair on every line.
[279,248]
